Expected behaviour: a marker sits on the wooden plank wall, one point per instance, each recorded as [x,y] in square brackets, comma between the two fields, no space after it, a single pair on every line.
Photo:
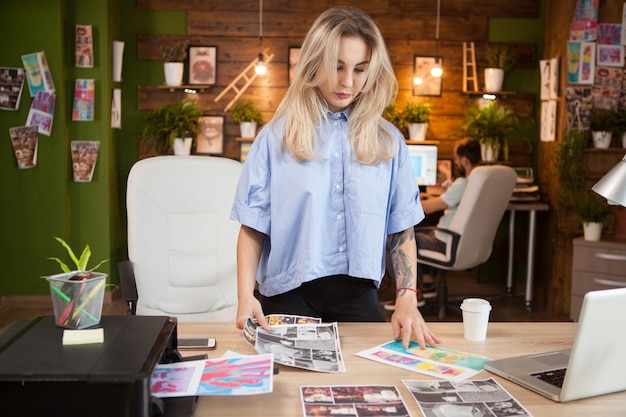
[408,27]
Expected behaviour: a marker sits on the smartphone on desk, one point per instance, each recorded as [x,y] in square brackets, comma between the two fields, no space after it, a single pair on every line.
[207,343]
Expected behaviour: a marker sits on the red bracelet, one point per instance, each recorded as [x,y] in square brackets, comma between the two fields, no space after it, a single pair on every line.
[406,288]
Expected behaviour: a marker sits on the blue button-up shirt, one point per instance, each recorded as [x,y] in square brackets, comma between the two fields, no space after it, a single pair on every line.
[327,216]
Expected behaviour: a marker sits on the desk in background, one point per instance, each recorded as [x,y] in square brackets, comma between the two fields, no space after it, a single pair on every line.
[532,208]
[503,340]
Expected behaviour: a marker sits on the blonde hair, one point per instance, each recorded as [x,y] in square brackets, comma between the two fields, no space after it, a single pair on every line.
[303,108]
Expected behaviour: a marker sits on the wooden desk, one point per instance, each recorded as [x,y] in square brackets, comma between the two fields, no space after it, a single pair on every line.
[532,209]
[503,340]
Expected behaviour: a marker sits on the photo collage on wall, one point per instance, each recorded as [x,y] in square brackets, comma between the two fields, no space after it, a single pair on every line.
[37,75]
[595,66]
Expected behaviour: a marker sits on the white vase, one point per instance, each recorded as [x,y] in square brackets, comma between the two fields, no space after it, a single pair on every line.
[182,146]
[417,131]
[601,140]
[624,140]
[592,231]
[493,79]
[173,73]
[489,152]
[248,129]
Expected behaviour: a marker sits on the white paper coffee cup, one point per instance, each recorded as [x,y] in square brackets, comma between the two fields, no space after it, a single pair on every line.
[475,318]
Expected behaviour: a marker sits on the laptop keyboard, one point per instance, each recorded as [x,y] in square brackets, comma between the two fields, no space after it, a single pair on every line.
[554,377]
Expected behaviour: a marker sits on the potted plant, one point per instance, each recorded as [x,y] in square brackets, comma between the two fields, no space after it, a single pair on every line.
[417,117]
[586,206]
[603,123]
[500,59]
[77,294]
[592,210]
[174,56]
[174,126]
[392,115]
[490,126]
[248,116]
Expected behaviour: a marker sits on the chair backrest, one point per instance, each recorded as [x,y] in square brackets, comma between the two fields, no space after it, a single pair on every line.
[181,241]
[488,192]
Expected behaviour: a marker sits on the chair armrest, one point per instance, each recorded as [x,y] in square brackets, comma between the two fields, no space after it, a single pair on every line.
[451,248]
[128,286]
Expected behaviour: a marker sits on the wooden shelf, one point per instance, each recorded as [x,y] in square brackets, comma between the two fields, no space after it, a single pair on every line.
[499,93]
[422,142]
[196,87]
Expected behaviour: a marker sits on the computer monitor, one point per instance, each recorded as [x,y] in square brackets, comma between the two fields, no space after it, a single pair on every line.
[424,162]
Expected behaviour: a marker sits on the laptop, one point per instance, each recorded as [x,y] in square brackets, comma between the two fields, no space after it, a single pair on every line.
[596,363]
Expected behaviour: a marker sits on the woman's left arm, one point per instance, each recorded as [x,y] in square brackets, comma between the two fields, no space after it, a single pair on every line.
[406,318]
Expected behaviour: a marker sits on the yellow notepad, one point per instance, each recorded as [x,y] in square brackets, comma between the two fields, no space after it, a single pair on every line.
[83,337]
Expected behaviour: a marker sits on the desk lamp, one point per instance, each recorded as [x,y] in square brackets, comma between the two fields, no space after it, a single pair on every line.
[613,185]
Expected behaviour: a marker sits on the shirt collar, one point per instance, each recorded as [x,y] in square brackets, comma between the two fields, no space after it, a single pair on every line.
[344,114]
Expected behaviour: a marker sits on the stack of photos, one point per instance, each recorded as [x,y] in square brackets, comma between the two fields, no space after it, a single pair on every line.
[302,342]
[467,398]
[352,400]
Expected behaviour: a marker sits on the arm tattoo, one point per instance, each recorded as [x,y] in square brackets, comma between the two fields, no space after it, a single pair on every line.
[400,261]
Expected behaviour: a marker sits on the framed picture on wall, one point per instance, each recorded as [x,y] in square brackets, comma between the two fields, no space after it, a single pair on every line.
[202,65]
[424,83]
[292,61]
[610,55]
[210,139]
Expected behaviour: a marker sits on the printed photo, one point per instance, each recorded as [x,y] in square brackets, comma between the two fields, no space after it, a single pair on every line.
[202,65]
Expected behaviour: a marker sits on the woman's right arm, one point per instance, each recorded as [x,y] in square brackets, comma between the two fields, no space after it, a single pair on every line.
[249,248]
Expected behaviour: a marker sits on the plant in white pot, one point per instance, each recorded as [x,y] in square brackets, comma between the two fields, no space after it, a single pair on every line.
[584,205]
[603,123]
[248,116]
[174,56]
[77,294]
[174,126]
[416,116]
[500,58]
[593,211]
[490,126]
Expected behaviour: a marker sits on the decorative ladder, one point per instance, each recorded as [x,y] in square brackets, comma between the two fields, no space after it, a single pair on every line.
[247,76]
[469,67]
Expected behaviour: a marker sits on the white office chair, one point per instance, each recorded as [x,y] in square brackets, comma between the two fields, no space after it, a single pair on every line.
[181,241]
[472,231]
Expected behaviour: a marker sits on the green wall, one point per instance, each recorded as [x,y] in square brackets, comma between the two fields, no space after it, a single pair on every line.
[43,201]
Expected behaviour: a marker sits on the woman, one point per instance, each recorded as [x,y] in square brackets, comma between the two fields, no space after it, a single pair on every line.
[323,185]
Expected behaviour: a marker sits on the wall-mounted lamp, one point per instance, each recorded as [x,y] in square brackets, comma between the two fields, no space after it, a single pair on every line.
[612,185]
[260,65]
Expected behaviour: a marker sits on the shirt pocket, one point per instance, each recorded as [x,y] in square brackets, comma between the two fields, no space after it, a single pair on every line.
[368,189]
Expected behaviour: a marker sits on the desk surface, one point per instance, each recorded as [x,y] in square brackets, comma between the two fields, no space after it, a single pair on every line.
[503,340]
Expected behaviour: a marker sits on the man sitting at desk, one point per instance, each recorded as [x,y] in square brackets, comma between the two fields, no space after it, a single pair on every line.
[466,158]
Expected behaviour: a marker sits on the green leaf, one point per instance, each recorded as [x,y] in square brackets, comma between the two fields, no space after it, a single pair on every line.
[69,251]
[64,267]
[84,258]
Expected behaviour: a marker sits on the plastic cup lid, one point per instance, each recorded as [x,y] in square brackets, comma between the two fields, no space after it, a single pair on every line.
[475,304]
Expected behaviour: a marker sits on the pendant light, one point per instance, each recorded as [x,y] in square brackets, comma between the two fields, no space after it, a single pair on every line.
[260,66]
[437,70]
